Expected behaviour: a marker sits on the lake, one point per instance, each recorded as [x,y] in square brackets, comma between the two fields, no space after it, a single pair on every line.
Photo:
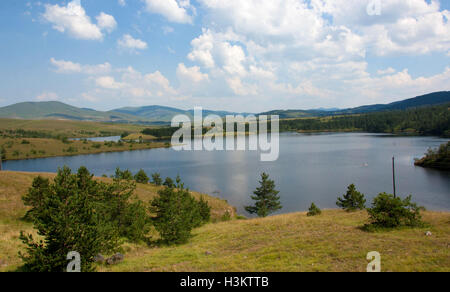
[311,168]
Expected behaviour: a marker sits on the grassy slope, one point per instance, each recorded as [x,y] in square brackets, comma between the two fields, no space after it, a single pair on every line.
[71,129]
[40,148]
[291,242]
[14,184]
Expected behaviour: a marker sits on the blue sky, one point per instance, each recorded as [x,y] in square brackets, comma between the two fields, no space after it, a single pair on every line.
[240,55]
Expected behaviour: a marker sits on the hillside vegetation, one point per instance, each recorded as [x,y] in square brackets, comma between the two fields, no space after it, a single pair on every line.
[439,158]
[13,185]
[419,121]
[332,241]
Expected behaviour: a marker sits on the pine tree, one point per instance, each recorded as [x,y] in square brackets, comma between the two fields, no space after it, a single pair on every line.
[266,197]
[156,179]
[314,210]
[141,177]
[352,200]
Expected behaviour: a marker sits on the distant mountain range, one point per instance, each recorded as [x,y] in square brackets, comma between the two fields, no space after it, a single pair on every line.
[419,101]
[161,114]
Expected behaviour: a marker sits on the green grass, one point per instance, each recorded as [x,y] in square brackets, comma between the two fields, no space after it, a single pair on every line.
[333,241]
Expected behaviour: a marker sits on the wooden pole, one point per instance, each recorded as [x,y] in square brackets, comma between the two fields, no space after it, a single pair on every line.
[393,176]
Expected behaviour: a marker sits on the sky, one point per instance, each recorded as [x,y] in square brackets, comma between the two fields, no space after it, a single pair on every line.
[237,55]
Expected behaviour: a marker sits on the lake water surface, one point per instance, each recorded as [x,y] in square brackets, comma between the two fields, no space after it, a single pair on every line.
[311,168]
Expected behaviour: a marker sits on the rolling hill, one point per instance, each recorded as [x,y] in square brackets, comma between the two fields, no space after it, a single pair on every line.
[59,110]
[162,115]
[435,98]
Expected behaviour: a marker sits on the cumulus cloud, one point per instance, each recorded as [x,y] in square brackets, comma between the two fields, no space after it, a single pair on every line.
[172,10]
[127,42]
[73,19]
[191,74]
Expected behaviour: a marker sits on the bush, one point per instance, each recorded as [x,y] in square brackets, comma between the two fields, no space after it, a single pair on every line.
[156,179]
[3,153]
[352,200]
[169,183]
[204,210]
[389,212]
[123,175]
[177,213]
[314,210]
[141,177]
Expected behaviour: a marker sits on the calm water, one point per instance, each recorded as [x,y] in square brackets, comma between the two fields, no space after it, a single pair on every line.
[101,139]
[311,168]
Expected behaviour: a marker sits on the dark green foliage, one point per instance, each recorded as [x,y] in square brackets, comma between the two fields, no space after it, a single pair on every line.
[169,183]
[124,134]
[156,179]
[141,177]
[204,210]
[3,153]
[314,210]
[266,197]
[389,212]
[78,213]
[25,142]
[433,120]
[66,216]
[123,175]
[352,200]
[177,213]
[439,158]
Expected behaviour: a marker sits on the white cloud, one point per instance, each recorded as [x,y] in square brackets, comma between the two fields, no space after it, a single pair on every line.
[74,20]
[122,3]
[173,10]
[129,43]
[62,66]
[109,82]
[47,96]
[387,71]
[106,22]
[191,75]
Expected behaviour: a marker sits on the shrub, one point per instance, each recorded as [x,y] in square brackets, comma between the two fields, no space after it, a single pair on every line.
[25,142]
[204,210]
[352,200]
[3,153]
[177,213]
[169,183]
[141,177]
[314,210]
[123,175]
[156,179]
[389,212]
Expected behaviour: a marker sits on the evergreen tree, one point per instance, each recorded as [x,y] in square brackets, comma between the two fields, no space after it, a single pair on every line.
[169,183]
[65,215]
[314,210]
[156,179]
[352,200]
[141,177]
[266,197]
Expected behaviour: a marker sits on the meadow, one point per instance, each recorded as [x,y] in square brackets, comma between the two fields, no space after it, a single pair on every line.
[333,241]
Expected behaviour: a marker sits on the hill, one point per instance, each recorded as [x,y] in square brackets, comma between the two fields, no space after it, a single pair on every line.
[155,113]
[162,115]
[333,241]
[431,99]
[58,110]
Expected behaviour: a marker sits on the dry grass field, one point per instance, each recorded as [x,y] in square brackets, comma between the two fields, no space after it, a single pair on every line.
[333,241]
